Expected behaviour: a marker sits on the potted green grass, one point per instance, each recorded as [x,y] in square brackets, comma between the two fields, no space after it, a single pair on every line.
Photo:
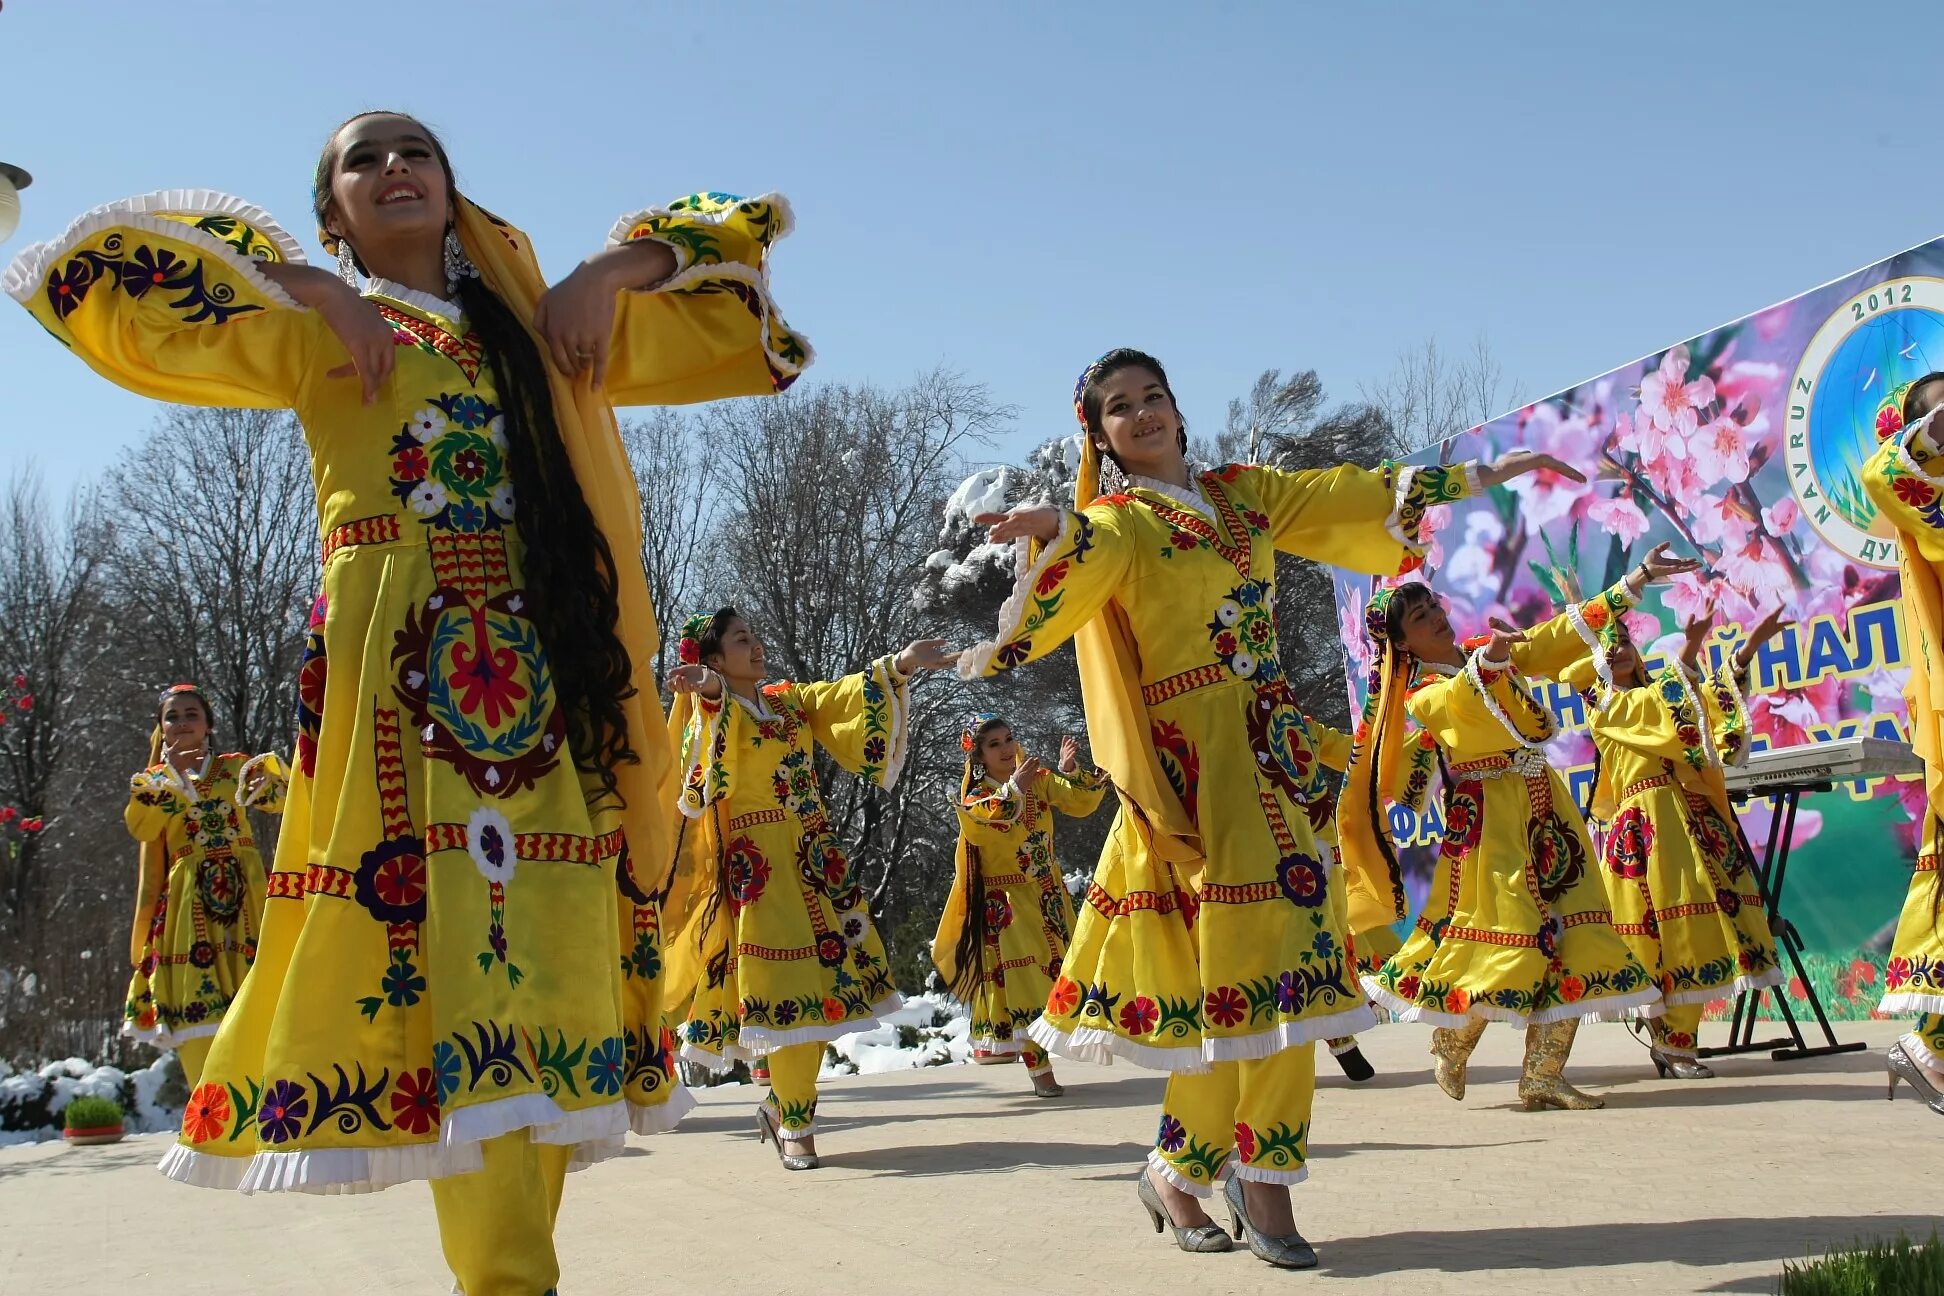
[92,1120]
[1879,1268]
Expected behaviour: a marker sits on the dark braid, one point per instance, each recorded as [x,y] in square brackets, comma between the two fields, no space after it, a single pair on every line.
[970,950]
[571,593]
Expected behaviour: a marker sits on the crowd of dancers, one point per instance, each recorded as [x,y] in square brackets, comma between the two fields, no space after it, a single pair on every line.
[509,894]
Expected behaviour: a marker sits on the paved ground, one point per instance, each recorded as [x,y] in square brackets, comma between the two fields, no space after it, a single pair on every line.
[953,1179]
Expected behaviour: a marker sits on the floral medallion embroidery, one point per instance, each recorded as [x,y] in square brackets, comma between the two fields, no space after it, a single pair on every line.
[1280,738]
[449,465]
[1558,858]
[1179,761]
[1464,819]
[1630,843]
[748,870]
[478,686]
[1243,633]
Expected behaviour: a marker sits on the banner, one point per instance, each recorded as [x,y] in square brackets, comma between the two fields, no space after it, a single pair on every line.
[1741,446]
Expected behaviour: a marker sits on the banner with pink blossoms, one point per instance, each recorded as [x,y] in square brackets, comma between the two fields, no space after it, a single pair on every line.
[1743,446]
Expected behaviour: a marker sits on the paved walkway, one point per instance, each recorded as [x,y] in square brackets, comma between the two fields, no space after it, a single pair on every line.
[952,1179]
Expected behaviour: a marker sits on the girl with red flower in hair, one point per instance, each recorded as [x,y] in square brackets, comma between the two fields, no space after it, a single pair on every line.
[1683,889]
[778,948]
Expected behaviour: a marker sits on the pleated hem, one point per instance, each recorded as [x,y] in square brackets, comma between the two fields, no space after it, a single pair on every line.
[161,1037]
[596,1133]
[1915,1045]
[1742,985]
[997,1047]
[1904,1002]
[753,1042]
[1640,1004]
[1090,1044]
[1288,1035]
[662,1116]
[1288,1178]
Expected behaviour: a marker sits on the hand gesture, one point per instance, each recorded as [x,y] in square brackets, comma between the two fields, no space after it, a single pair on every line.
[1518,463]
[185,757]
[1039,521]
[1761,634]
[1498,647]
[1028,773]
[363,332]
[1069,757]
[695,679]
[1694,636]
[1660,564]
[926,655]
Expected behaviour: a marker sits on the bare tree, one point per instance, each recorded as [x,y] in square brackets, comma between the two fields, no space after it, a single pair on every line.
[216,561]
[830,505]
[677,492]
[1432,394]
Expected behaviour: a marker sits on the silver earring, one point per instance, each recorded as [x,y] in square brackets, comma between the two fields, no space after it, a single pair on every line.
[347,262]
[1112,480]
[457,264]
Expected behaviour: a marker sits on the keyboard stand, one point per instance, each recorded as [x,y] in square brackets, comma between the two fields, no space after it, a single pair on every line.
[1770,874]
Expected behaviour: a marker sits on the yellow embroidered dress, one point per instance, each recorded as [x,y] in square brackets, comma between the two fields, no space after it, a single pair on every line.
[1905,479]
[788,951]
[203,936]
[1235,951]
[1684,895]
[457,942]
[1517,927]
[1006,864]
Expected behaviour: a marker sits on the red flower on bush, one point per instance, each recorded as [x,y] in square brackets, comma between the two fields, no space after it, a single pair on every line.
[8,814]
[1797,990]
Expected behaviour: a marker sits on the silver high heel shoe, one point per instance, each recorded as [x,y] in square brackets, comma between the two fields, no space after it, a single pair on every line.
[767,1129]
[1196,1238]
[1290,1252]
[1672,1066]
[1906,1068]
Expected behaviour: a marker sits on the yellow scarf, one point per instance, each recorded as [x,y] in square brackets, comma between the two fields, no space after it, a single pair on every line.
[1117,718]
[1375,881]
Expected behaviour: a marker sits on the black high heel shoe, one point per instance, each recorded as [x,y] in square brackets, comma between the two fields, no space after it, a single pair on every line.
[1355,1065]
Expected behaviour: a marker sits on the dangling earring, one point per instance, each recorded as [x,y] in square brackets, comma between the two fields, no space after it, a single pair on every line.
[347,262]
[457,264]
[1112,480]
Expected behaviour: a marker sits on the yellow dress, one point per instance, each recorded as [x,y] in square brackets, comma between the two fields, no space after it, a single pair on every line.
[203,936]
[1518,927]
[1006,864]
[1240,953]
[787,949]
[457,942]
[1684,894]
[1905,479]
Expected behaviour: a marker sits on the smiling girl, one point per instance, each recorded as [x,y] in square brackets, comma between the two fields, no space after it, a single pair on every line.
[457,978]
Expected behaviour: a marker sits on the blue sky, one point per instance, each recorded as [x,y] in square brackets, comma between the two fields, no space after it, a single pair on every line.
[1012,188]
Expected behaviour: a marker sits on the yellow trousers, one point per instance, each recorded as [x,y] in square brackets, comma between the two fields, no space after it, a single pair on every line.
[192,1054]
[1037,1063]
[496,1224]
[1258,1110]
[1683,1022]
[1926,1043]
[793,1087]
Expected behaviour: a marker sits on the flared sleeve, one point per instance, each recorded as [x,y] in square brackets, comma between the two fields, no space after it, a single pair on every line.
[711,330]
[163,295]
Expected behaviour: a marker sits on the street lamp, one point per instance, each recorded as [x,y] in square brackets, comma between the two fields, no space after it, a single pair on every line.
[12,181]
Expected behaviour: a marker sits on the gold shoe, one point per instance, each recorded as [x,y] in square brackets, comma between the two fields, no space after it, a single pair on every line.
[1541,1084]
[1453,1049]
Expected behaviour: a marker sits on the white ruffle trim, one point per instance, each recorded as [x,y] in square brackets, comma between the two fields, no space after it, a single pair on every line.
[897,689]
[757,278]
[1179,1180]
[1642,1003]
[1765,981]
[662,1116]
[1092,1044]
[596,1133]
[1905,1002]
[1914,1044]
[1255,1174]
[755,1041]
[23,278]
[972,663]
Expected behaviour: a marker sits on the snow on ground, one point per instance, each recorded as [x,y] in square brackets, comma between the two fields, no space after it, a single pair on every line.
[31,1102]
[931,1029]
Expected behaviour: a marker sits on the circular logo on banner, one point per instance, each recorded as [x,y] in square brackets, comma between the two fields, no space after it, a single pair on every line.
[1847,396]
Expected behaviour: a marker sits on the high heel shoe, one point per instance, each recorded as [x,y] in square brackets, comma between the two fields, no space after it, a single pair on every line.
[766,1129]
[1904,1067]
[1288,1252]
[1196,1238]
[1355,1065]
[1051,1089]
[1670,1065]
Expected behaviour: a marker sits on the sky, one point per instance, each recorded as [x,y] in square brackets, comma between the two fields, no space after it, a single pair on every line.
[1009,189]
